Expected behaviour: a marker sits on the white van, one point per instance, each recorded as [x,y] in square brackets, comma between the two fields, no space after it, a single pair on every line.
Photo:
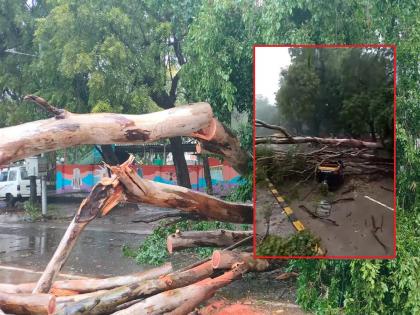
[15,184]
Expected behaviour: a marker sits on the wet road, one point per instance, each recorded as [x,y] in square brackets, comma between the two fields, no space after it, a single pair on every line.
[26,248]
[96,253]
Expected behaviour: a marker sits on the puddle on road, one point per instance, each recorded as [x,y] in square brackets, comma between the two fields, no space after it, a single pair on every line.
[97,253]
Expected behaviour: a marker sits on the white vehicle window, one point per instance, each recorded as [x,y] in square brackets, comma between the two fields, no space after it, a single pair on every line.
[12,176]
[3,177]
[23,173]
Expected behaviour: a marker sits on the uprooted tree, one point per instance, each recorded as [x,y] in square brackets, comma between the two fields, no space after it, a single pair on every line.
[360,157]
[133,294]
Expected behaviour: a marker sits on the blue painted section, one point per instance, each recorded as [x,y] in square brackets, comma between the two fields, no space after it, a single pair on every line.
[88,180]
[163,180]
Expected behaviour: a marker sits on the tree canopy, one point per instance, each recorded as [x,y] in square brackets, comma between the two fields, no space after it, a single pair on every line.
[342,91]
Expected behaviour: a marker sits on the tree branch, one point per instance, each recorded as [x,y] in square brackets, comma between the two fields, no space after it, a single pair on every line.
[58,113]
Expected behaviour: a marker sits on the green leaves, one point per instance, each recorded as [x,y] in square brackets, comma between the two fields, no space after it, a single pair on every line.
[153,250]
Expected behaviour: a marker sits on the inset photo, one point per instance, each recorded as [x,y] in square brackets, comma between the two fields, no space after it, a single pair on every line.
[324,159]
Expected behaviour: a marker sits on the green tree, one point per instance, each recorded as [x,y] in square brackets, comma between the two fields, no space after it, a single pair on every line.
[339,91]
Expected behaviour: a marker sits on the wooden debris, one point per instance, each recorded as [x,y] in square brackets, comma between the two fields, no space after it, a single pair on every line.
[315,216]
[138,189]
[219,238]
[286,275]
[374,231]
[109,300]
[90,285]
[37,304]
[104,196]
[226,259]
[184,300]
[342,200]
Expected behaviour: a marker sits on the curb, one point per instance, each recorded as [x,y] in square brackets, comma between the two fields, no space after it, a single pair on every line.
[297,224]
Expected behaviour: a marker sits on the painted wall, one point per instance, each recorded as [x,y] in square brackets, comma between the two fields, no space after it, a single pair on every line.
[81,178]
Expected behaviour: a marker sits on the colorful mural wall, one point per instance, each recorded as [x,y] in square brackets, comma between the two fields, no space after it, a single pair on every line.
[81,178]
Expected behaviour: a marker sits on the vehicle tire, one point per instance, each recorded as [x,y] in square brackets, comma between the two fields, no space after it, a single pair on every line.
[10,200]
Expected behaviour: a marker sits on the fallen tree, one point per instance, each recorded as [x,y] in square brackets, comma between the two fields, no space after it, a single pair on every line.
[188,239]
[91,285]
[184,300]
[98,296]
[107,301]
[138,189]
[67,129]
[354,143]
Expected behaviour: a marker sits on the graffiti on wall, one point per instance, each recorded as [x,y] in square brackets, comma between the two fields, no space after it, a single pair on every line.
[81,178]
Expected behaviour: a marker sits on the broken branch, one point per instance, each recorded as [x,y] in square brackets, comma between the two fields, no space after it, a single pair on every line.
[188,239]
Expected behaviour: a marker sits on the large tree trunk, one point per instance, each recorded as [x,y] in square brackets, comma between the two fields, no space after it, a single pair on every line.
[329,141]
[189,239]
[89,285]
[106,302]
[218,139]
[104,196]
[182,174]
[138,189]
[37,304]
[184,300]
[67,129]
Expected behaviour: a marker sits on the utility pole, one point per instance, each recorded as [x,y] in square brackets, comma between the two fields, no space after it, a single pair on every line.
[44,188]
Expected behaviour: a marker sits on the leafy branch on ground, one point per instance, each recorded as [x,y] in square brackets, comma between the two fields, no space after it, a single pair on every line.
[303,243]
[153,250]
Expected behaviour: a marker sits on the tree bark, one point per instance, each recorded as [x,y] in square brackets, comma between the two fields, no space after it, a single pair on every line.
[67,129]
[37,304]
[189,239]
[138,189]
[184,300]
[218,139]
[207,174]
[90,285]
[182,174]
[226,259]
[106,302]
[104,196]
[329,141]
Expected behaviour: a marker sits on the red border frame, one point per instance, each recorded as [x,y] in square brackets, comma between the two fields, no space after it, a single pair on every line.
[394,47]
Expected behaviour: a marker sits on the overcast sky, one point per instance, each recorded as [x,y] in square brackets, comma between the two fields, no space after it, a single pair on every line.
[268,63]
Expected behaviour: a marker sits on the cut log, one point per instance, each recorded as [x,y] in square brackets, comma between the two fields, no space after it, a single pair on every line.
[108,301]
[67,129]
[104,196]
[226,259]
[219,238]
[218,139]
[138,189]
[27,303]
[184,300]
[233,309]
[63,300]
[329,141]
[90,285]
